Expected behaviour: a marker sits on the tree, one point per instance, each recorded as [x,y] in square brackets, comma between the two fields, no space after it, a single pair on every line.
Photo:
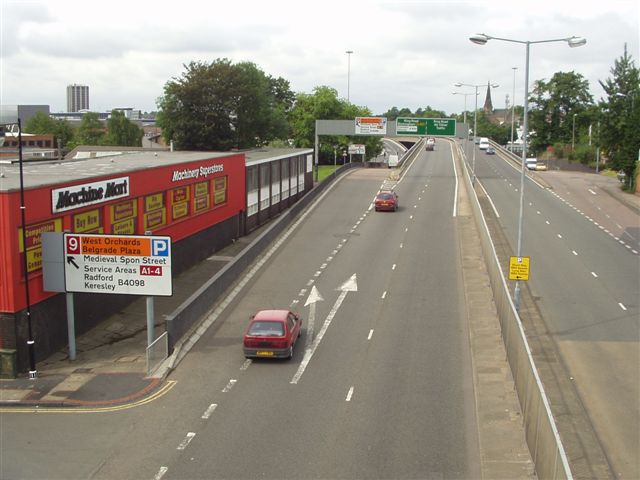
[552,106]
[91,131]
[43,124]
[324,104]
[121,131]
[219,106]
[619,133]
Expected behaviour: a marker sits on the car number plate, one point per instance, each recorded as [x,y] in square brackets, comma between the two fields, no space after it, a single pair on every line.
[264,353]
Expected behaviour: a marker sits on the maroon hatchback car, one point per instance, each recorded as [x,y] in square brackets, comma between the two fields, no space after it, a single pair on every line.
[386,200]
[272,334]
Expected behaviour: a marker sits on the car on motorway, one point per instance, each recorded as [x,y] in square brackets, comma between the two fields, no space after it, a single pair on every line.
[541,167]
[484,143]
[272,334]
[531,163]
[490,151]
[386,200]
[430,144]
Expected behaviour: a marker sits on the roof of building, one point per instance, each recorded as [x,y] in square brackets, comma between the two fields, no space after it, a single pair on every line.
[54,172]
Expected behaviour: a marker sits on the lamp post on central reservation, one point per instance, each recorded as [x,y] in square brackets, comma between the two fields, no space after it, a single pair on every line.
[481,39]
[475,125]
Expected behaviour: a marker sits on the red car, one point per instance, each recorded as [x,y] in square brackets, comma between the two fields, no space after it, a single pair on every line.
[386,200]
[272,334]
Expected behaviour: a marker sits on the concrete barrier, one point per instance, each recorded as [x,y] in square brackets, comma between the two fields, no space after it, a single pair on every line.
[542,436]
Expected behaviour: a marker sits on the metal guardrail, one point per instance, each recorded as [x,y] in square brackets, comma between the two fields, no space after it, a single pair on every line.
[541,433]
[157,352]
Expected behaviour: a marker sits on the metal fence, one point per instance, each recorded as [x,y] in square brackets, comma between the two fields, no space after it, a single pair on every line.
[157,352]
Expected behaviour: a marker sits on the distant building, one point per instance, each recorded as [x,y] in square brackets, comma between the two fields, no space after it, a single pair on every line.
[77,98]
[488,105]
[11,113]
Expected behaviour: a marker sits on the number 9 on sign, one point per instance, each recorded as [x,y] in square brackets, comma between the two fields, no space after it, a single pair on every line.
[73,245]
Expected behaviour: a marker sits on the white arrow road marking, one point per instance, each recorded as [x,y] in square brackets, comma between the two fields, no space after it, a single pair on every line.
[350,285]
[312,299]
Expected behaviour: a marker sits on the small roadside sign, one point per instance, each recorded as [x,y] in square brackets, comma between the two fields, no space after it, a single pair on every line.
[519,268]
[120,264]
[357,149]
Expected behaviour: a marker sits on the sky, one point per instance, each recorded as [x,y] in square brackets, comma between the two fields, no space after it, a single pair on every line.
[406,53]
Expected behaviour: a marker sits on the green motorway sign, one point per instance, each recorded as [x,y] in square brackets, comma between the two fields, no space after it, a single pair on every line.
[426,126]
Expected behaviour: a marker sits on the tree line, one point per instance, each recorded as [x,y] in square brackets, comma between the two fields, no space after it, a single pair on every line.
[222,105]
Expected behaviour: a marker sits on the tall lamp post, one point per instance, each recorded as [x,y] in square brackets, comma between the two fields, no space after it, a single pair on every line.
[475,125]
[465,105]
[348,52]
[481,39]
[513,106]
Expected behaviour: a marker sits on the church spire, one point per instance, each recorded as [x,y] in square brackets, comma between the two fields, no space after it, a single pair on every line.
[488,105]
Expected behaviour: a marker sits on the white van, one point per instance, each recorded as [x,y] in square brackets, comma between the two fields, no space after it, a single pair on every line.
[531,163]
[393,161]
[484,143]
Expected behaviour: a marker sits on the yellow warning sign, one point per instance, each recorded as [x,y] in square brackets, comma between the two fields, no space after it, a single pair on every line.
[519,268]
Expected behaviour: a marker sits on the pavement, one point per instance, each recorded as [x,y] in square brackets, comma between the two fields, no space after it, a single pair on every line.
[110,368]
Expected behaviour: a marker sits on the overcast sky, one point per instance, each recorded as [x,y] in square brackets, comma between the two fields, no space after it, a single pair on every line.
[405,53]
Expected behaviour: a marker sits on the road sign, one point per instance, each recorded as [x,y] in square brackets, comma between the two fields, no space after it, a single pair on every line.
[121,264]
[357,149]
[519,268]
[371,126]
[426,126]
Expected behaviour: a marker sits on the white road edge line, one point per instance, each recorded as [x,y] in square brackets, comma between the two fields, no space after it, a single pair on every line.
[370,334]
[622,306]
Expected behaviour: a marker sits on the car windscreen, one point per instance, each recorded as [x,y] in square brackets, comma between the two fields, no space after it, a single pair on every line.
[267,329]
[385,196]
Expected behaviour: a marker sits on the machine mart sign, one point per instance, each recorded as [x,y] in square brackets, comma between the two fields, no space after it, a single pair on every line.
[426,126]
[122,264]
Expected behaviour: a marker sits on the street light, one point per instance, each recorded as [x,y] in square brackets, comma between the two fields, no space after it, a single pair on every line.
[465,106]
[481,39]
[348,52]
[513,106]
[475,125]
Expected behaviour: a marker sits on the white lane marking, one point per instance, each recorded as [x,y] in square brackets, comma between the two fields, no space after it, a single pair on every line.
[186,441]
[495,210]
[314,297]
[455,176]
[592,192]
[595,275]
[229,386]
[410,217]
[406,229]
[207,413]
[349,394]
[349,286]
[246,364]
[393,267]
[622,307]
[302,292]
[574,252]
[559,236]
[161,473]
[547,222]
[310,282]
[370,334]
[401,245]
[323,266]
[384,294]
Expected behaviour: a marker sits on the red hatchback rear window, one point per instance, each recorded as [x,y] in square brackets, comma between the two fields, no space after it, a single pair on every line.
[266,329]
[385,196]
